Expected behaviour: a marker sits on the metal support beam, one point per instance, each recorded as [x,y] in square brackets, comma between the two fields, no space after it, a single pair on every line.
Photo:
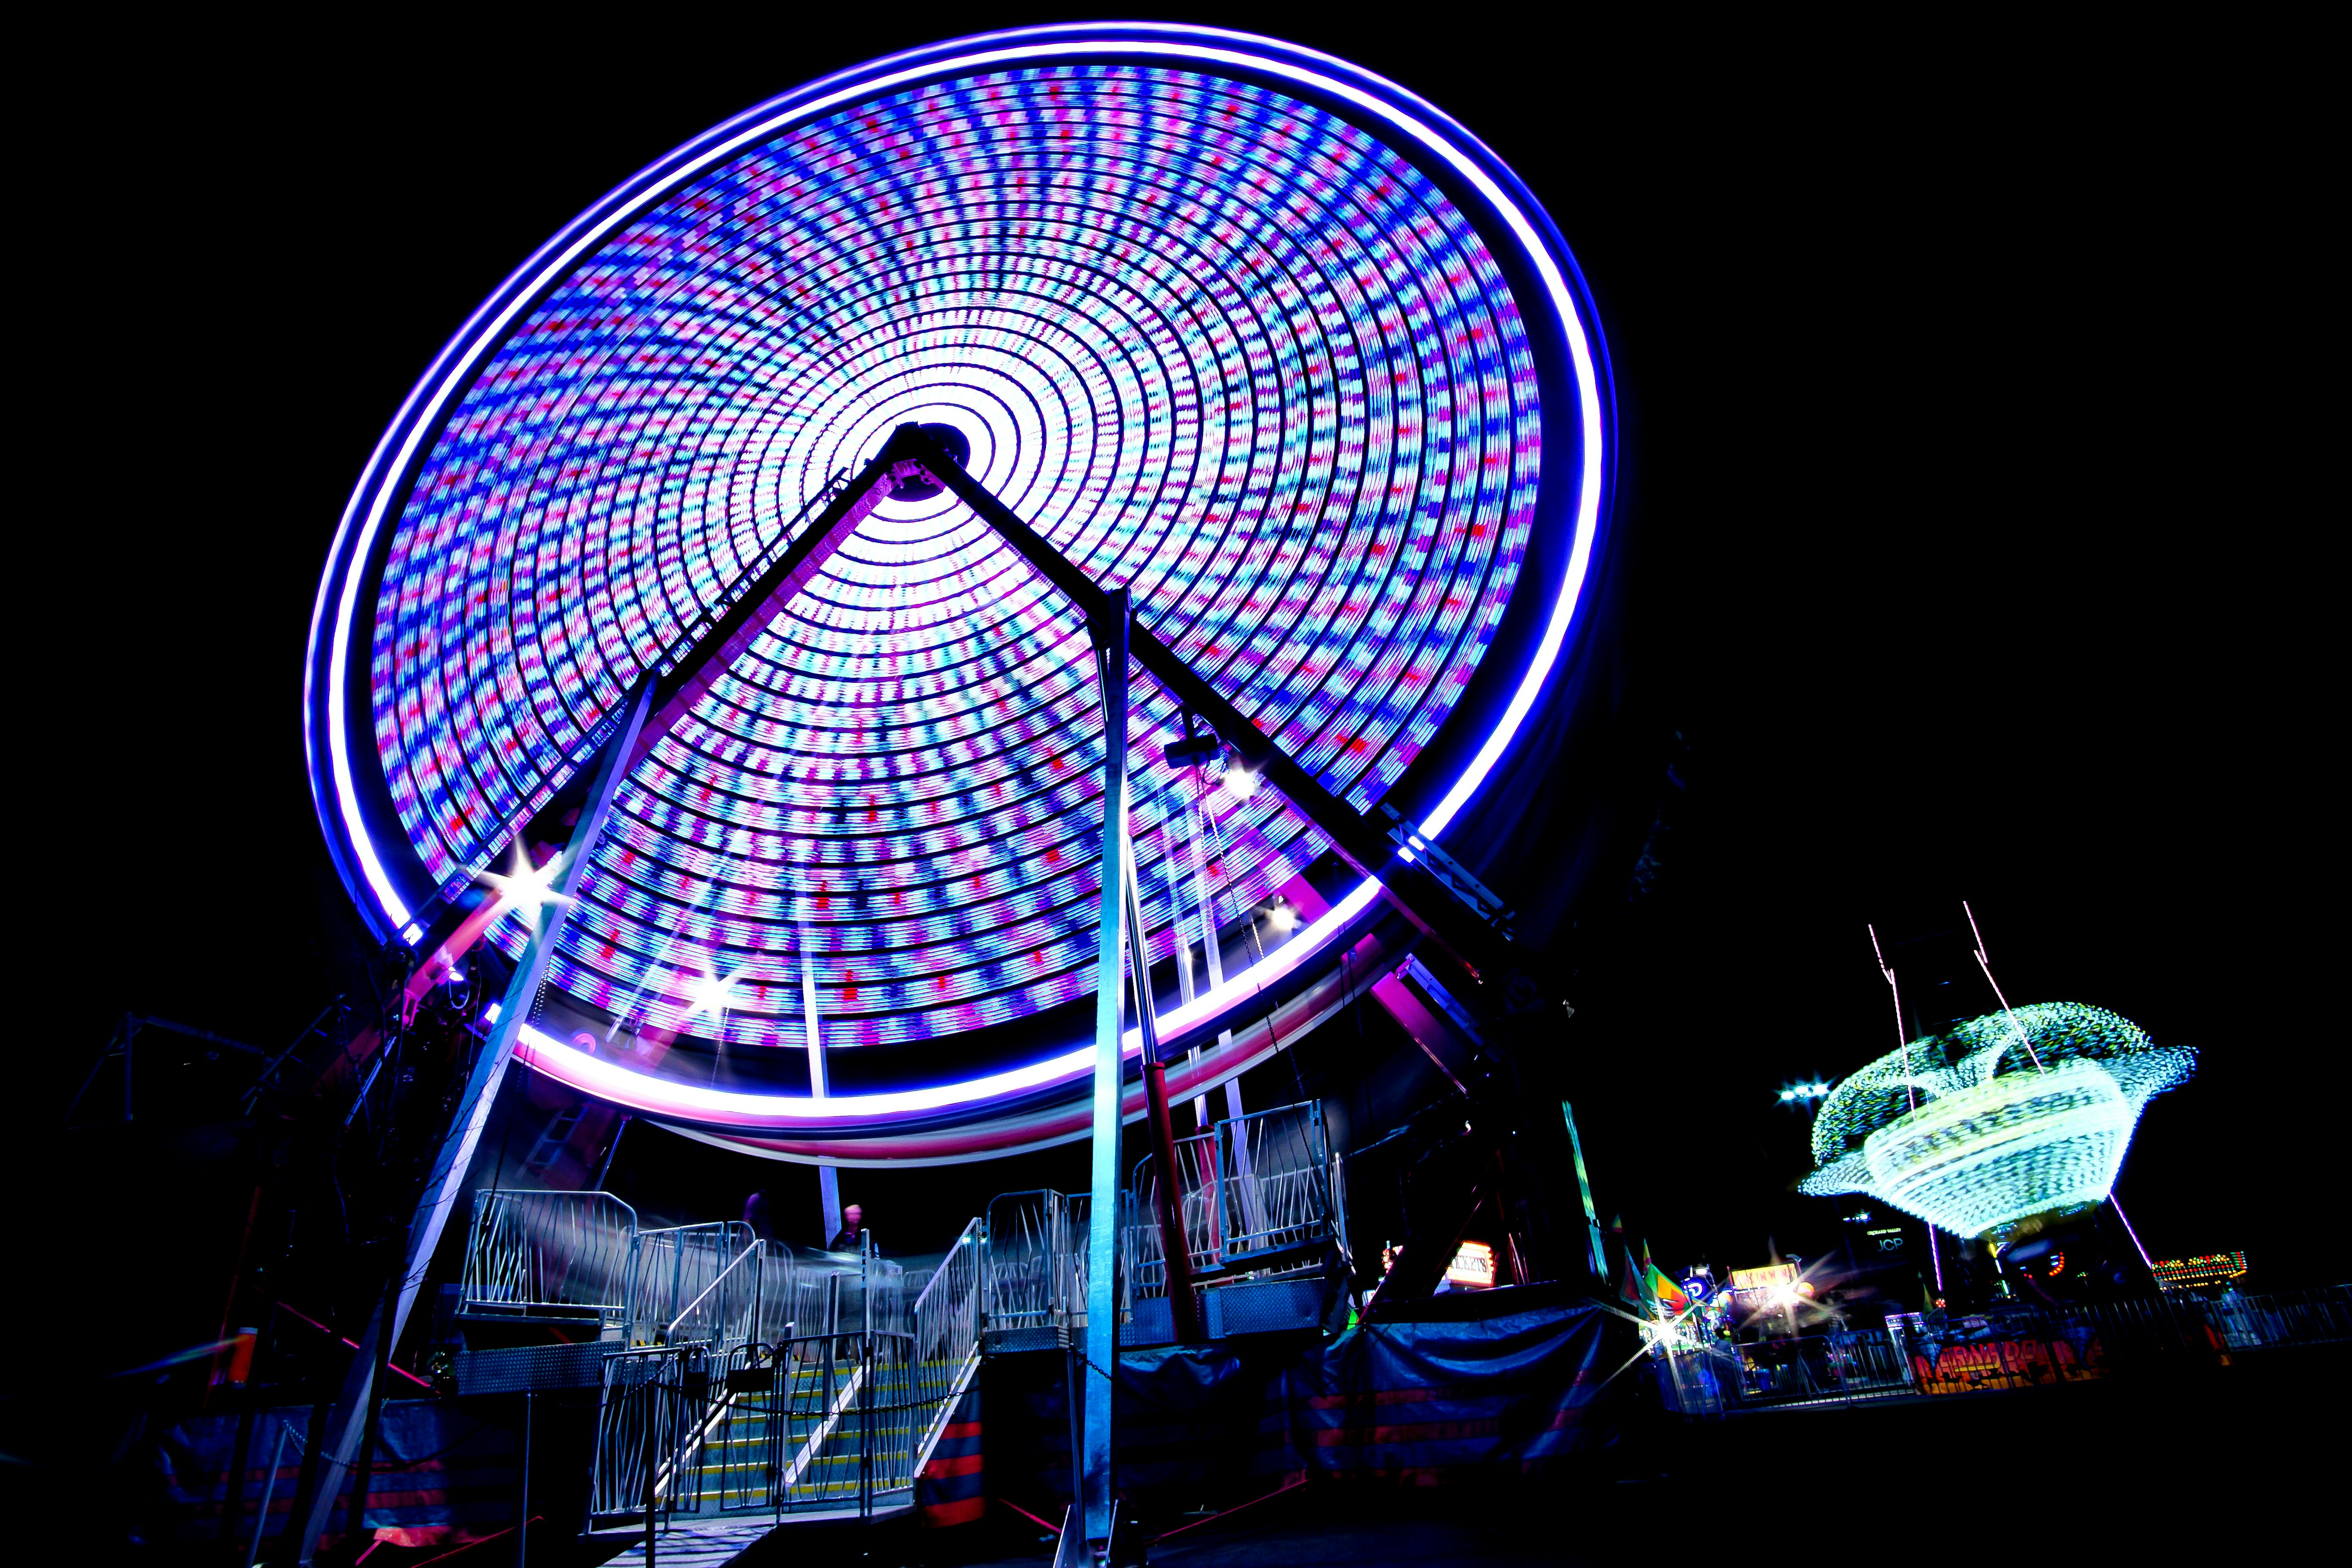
[750,608]
[910,453]
[1175,1248]
[828,1180]
[446,1183]
[1600,1254]
[729,628]
[1094,1483]
[1212,953]
[1363,846]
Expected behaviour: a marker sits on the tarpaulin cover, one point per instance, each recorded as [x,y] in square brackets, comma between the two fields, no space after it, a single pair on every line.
[953,1488]
[1406,1402]
[436,1463]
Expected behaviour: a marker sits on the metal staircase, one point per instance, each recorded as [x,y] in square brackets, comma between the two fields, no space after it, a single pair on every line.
[743,1386]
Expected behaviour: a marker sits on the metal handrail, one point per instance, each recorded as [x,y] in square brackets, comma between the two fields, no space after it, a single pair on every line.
[970,1235]
[734,1263]
[947,1334]
[665,1263]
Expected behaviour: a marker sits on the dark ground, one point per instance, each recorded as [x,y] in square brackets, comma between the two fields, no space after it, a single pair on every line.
[2240,1460]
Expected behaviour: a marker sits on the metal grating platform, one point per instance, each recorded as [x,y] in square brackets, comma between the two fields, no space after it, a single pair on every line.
[524,1367]
[1272,1306]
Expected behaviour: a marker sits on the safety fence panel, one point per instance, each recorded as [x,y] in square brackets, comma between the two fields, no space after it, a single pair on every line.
[1780,1372]
[2020,1345]
[818,1423]
[778,1295]
[726,1311]
[536,1253]
[674,1266]
[1022,1260]
[1275,1170]
[816,1300]
[890,1311]
[945,1345]
[1198,1208]
[654,1404]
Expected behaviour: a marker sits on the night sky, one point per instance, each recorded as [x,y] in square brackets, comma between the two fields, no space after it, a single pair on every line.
[1961,387]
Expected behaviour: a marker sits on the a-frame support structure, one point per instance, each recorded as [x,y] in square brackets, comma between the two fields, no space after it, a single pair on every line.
[912,456]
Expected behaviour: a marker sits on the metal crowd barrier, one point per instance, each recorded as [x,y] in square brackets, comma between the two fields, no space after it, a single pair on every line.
[2006,1347]
[1275,1170]
[1255,1192]
[1033,1267]
[674,1267]
[534,1253]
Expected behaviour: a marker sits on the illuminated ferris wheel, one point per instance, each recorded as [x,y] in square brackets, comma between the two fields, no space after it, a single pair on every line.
[748,570]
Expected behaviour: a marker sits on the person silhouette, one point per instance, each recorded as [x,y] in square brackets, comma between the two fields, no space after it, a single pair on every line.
[853,1220]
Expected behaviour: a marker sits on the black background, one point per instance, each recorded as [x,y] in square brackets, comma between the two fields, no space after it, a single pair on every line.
[1965,381]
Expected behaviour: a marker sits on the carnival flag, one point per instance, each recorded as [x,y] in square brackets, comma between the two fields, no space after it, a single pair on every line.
[1669,1296]
[1628,1287]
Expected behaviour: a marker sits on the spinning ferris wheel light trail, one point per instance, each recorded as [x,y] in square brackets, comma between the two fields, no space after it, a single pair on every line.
[746,549]
[632,432]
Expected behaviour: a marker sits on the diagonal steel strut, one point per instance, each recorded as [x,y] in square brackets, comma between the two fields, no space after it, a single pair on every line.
[1366,848]
[910,453]
[445,1184]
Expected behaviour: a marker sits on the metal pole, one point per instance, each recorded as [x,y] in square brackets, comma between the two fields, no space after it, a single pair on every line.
[866,1375]
[247,1418]
[444,1186]
[1419,896]
[1599,1260]
[522,1507]
[1186,989]
[269,1488]
[1109,633]
[364,1469]
[653,1376]
[1212,951]
[828,1180]
[611,1148]
[1175,1247]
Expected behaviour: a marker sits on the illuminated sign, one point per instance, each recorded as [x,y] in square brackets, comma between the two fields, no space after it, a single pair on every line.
[1772,1277]
[1473,1265]
[2205,1268]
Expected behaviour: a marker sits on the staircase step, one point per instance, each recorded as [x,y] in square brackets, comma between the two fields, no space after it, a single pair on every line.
[699,1545]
